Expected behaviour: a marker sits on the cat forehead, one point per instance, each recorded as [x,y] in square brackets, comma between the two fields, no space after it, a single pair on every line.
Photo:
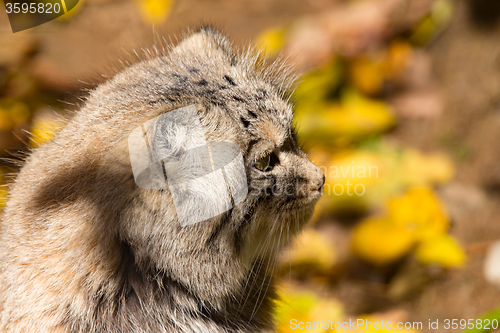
[274,132]
[233,82]
[270,120]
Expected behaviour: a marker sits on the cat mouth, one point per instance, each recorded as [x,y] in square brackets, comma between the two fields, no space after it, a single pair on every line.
[315,190]
[318,191]
[313,198]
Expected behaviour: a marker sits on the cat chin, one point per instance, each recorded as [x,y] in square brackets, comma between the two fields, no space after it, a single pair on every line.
[296,221]
[307,204]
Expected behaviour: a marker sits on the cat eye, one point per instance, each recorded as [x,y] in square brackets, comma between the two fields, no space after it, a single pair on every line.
[267,163]
[263,163]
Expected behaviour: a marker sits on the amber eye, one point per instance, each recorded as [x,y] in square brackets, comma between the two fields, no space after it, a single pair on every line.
[263,163]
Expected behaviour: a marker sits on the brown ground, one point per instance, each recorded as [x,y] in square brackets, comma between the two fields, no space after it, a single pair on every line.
[467,64]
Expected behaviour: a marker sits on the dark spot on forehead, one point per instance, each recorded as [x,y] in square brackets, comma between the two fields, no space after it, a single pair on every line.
[180,78]
[220,104]
[261,94]
[252,114]
[252,143]
[202,82]
[245,122]
[229,80]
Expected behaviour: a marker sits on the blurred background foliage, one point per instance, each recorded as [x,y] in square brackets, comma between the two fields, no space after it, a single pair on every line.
[409,212]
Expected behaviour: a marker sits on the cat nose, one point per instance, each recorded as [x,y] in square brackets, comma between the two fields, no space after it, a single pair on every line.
[319,184]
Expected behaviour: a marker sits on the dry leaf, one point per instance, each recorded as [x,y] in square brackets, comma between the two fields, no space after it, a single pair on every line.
[380,242]
[442,250]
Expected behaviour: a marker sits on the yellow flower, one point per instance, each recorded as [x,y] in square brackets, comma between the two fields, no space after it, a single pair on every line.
[368,74]
[43,130]
[399,55]
[338,124]
[443,250]
[361,116]
[379,241]
[271,41]
[420,212]
[306,307]
[155,10]
[3,189]
[434,23]
[377,171]
[419,169]
[316,86]
[293,305]
[415,218]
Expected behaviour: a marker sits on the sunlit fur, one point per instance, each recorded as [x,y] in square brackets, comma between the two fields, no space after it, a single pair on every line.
[84,249]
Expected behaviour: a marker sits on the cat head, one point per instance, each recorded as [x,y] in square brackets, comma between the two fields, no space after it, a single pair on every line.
[233,99]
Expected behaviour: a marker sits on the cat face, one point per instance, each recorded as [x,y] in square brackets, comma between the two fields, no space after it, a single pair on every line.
[249,108]
[283,187]
[237,102]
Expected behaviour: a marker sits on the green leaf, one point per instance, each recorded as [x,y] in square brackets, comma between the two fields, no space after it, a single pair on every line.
[493,315]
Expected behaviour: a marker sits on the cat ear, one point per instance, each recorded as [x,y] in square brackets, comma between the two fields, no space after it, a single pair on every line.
[206,41]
